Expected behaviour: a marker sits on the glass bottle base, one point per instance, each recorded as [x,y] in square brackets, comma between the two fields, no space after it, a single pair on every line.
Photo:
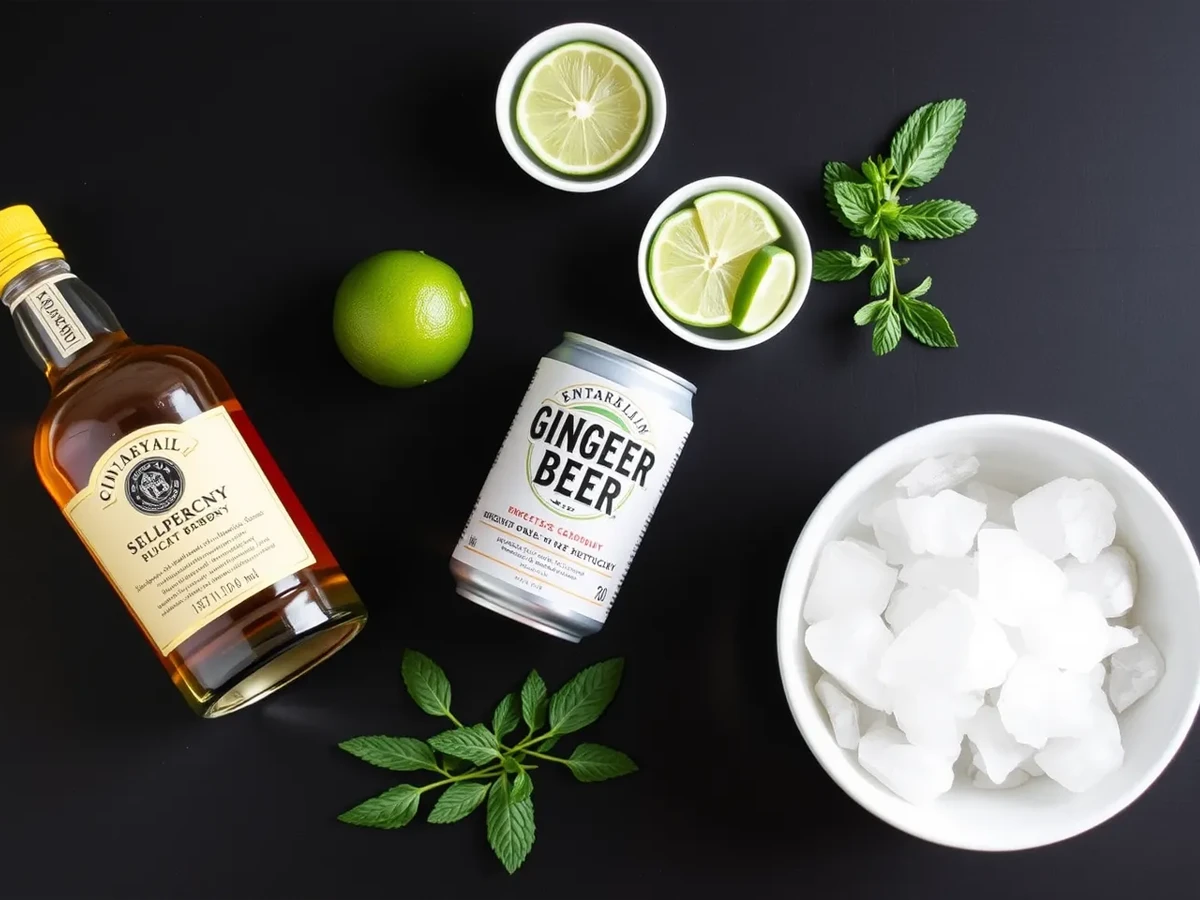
[266,643]
[279,670]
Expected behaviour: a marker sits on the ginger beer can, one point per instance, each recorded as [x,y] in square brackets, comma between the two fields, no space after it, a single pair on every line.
[573,487]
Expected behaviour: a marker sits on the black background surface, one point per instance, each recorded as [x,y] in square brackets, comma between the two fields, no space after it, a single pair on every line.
[214,170]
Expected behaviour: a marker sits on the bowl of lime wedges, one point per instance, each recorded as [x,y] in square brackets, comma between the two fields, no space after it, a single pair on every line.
[581,107]
[725,263]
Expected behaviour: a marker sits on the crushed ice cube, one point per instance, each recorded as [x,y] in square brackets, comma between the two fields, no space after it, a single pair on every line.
[1072,633]
[1015,640]
[1039,521]
[868,718]
[1111,578]
[1078,763]
[850,648]
[1013,578]
[1039,702]
[999,502]
[884,520]
[909,603]
[916,774]
[934,718]
[1135,671]
[874,550]
[938,473]
[953,647]
[1067,516]
[842,711]
[944,525]
[1030,765]
[1088,521]
[945,572]
[998,751]
[1015,779]
[848,579]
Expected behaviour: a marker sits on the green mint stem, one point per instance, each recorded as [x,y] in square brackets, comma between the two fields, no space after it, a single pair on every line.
[885,245]
[546,756]
[452,718]
[465,776]
[529,739]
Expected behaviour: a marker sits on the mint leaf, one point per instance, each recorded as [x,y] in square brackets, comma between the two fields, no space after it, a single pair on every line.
[511,766]
[886,335]
[547,745]
[457,802]
[866,314]
[835,172]
[925,140]
[391,809]
[935,219]
[921,289]
[581,700]
[426,682]
[522,787]
[926,323]
[397,754]
[857,202]
[510,828]
[880,281]
[475,744]
[837,265]
[866,255]
[594,762]
[533,701]
[506,717]
[871,172]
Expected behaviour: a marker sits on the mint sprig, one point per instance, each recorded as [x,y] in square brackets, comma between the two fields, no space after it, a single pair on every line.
[866,201]
[509,797]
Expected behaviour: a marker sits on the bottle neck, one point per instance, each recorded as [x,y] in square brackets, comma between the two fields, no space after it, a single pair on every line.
[63,324]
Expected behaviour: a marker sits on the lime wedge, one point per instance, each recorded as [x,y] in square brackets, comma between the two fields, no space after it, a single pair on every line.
[764,289]
[689,285]
[734,224]
[581,108]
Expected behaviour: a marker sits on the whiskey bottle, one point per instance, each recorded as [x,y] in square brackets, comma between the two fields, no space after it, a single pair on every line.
[160,473]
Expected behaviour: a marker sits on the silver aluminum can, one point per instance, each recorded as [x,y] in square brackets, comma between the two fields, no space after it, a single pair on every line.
[572,490]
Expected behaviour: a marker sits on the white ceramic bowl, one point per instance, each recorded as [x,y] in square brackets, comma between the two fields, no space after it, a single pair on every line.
[537,47]
[793,238]
[1016,453]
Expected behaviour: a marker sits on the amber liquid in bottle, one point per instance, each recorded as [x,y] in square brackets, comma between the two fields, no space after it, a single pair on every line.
[113,387]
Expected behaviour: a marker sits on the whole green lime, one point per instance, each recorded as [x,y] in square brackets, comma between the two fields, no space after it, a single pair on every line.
[402,318]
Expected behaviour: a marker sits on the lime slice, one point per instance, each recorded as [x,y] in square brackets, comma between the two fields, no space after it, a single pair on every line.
[581,108]
[764,289]
[691,287]
[734,224]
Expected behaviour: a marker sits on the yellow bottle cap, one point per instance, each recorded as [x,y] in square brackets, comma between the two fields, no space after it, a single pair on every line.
[23,242]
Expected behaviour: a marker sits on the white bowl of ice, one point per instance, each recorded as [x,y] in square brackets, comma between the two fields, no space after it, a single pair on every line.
[1016,454]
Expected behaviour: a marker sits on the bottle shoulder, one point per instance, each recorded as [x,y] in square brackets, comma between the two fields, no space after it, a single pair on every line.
[133,387]
[135,372]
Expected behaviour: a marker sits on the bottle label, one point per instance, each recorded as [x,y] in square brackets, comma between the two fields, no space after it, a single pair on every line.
[572,490]
[55,315]
[185,525]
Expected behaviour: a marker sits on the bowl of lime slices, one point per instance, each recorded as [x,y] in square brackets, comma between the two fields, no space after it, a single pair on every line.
[581,107]
[725,263]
